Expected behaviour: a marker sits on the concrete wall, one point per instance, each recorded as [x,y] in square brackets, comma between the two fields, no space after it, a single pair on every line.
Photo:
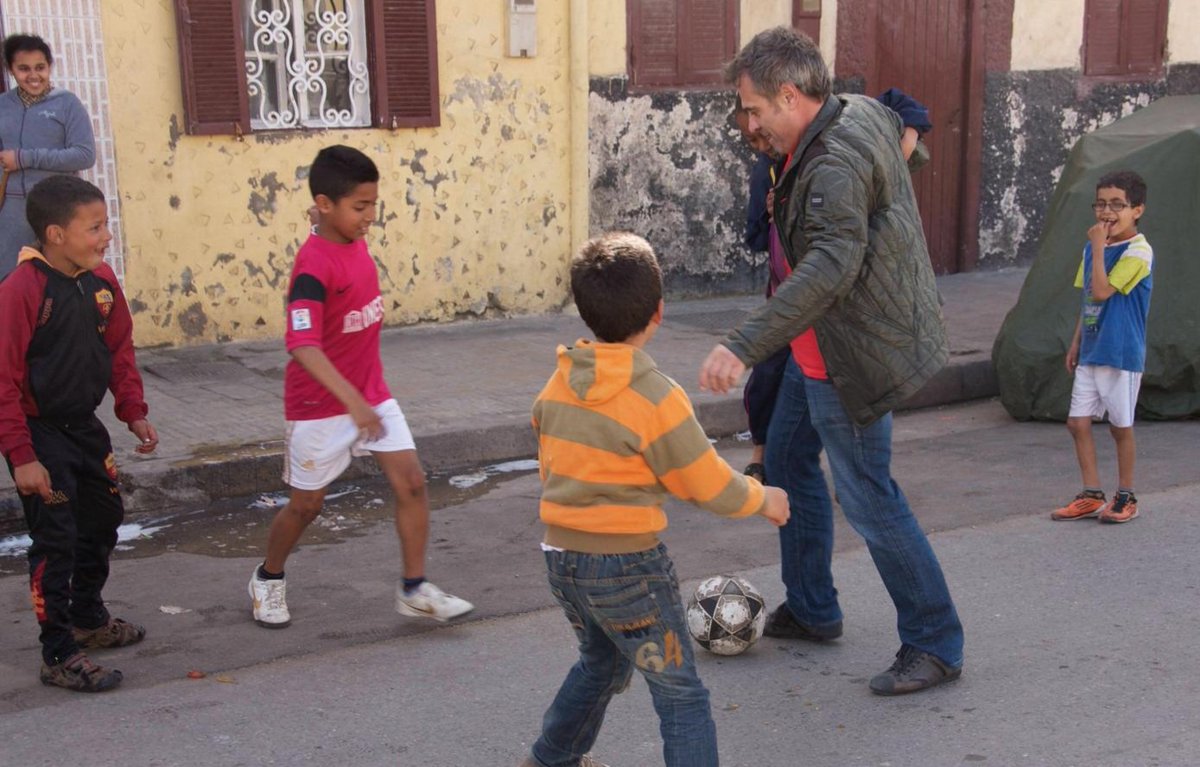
[670,165]
[1035,112]
[473,215]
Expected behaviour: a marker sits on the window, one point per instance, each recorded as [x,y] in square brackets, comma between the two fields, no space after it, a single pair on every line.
[1124,38]
[806,17]
[306,64]
[289,64]
[674,43]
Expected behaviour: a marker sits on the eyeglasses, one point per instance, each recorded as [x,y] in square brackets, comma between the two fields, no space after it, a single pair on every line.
[1116,206]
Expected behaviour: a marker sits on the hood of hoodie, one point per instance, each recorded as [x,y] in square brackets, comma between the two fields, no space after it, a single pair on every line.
[597,372]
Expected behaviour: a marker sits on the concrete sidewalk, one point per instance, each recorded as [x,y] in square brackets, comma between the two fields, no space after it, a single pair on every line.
[465,387]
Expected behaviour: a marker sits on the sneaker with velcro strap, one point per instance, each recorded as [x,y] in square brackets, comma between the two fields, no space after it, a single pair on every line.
[115,633]
[80,674]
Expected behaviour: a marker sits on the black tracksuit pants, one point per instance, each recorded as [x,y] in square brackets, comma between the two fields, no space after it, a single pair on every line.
[74,534]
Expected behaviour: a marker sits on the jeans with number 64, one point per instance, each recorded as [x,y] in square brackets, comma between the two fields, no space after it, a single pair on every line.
[627,614]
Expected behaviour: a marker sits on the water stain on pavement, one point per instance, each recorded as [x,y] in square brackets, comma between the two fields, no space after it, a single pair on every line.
[237,527]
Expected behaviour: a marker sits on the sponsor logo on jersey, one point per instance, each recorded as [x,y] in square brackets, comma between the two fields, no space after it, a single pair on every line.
[301,319]
[356,321]
[110,466]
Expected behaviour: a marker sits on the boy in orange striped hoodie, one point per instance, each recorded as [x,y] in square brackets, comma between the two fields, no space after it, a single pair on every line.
[615,437]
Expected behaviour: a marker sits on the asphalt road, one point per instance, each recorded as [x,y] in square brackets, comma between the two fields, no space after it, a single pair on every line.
[1080,636]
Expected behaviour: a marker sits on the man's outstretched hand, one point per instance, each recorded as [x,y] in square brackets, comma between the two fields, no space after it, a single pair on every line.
[721,371]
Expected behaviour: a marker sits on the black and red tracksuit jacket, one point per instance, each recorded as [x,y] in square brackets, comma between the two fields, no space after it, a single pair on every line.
[63,342]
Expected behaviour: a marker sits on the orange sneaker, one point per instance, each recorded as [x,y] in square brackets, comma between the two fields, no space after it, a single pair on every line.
[1083,507]
[1122,509]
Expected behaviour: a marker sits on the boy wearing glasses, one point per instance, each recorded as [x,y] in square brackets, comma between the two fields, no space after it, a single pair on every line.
[1108,353]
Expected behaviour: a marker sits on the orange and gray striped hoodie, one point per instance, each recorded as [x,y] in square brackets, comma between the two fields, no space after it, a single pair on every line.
[615,437]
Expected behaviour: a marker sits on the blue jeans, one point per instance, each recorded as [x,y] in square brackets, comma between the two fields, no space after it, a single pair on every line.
[627,613]
[809,416]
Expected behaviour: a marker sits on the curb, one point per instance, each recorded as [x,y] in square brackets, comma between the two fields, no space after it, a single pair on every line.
[257,468]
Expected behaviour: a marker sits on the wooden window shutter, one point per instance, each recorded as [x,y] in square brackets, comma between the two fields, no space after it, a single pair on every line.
[1102,38]
[212,64]
[1145,30]
[1124,37]
[708,38]
[653,42]
[806,17]
[680,42]
[403,62]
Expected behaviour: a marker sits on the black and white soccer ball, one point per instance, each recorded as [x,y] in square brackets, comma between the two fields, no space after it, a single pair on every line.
[726,615]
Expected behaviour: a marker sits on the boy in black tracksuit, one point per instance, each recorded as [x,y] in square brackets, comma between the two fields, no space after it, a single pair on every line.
[67,336]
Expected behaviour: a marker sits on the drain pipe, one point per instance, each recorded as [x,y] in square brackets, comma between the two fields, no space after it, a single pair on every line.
[579,149]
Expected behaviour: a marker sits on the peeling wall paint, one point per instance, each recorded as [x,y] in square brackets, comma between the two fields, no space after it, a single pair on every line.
[1031,121]
[472,217]
[672,168]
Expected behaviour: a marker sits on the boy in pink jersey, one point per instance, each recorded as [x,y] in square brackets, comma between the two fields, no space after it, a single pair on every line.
[335,399]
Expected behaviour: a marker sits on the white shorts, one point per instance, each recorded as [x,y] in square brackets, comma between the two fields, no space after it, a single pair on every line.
[318,451]
[1099,389]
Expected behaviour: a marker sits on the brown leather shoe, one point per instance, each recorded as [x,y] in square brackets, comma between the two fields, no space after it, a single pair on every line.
[913,670]
[781,624]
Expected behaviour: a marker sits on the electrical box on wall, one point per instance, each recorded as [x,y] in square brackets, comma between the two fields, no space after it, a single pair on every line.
[522,28]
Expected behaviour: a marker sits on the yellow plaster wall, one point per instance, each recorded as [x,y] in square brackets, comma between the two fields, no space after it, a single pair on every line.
[1047,35]
[757,15]
[473,214]
[1183,31]
[608,37]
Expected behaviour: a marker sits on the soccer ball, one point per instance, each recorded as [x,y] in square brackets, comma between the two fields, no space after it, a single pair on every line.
[726,615]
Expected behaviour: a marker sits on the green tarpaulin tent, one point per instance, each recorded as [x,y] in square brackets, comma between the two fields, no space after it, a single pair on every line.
[1162,143]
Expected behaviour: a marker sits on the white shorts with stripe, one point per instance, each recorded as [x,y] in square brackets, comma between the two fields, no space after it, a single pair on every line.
[1099,389]
[318,451]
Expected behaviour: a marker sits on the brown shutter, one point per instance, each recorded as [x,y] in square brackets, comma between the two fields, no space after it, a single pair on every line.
[1124,37]
[1102,38]
[212,64]
[708,39]
[806,17]
[403,61]
[680,42]
[1145,30]
[653,42]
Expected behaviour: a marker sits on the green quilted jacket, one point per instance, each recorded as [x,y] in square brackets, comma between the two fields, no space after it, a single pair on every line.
[861,276]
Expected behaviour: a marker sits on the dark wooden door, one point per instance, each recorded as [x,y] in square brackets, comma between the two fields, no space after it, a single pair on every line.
[923,47]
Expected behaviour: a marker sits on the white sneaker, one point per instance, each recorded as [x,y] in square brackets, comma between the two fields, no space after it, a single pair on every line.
[270,601]
[428,601]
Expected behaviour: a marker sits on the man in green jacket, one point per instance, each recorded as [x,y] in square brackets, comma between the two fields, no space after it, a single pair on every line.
[860,312]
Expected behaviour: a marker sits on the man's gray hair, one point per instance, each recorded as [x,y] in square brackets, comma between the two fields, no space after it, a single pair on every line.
[779,56]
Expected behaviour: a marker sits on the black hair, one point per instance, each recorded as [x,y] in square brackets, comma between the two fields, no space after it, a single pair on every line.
[338,169]
[617,285]
[14,44]
[1133,185]
[54,200]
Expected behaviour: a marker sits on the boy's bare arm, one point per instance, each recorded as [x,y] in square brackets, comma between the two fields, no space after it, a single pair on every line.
[1102,289]
[317,364]
[1072,360]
